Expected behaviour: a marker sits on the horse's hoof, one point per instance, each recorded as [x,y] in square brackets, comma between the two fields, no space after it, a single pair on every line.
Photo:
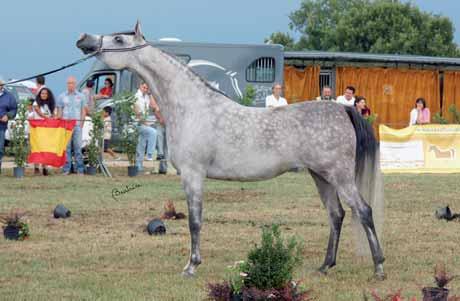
[380,276]
[188,274]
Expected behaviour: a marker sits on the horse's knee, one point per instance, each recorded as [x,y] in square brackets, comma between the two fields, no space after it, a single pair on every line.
[365,214]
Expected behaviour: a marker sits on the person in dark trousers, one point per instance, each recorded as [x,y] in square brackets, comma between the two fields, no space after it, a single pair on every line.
[8,108]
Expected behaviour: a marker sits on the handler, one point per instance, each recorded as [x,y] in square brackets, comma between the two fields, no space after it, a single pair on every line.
[8,108]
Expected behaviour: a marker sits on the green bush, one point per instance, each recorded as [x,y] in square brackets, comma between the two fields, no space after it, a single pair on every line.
[96,134]
[270,265]
[249,96]
[437,118]
[455,113]
[127,124]
[19,145]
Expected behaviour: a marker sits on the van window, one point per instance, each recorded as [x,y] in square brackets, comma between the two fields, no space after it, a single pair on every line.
[99,80]
[261,70]
[184,58]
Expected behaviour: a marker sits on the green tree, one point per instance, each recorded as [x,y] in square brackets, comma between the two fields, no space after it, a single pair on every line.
[283,39]
[374,26]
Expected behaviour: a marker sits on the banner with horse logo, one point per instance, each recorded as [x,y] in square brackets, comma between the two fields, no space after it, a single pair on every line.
[48,141]
[432,148]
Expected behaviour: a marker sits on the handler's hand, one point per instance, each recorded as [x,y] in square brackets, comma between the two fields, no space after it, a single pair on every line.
[4,118]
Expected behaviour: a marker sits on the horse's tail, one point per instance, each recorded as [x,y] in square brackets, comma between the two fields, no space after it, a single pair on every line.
[368,177]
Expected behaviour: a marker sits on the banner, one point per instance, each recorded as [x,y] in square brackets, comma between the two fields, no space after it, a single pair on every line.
[48,141]
[432,148]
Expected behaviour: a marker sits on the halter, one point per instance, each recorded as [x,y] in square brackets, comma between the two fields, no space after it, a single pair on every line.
[102,50]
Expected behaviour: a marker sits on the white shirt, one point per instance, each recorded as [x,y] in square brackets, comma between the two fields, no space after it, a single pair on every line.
[143,105]
[43,109]
[342,100]
[271,101]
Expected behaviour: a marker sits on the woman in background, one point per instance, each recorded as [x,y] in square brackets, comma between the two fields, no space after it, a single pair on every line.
[43,108]
[420,114]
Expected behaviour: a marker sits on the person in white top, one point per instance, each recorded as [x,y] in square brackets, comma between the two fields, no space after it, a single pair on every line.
[43,108]
[275,100]
[147,134]
[348,98]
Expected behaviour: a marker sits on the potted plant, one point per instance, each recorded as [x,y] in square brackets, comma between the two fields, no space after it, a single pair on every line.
[19,145]
[265,275]
[438,293]
[128,128]
[95,144]
[14,227]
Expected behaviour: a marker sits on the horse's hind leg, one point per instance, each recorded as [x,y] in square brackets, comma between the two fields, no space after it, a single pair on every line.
[328,195]
[192,182]
[349,193]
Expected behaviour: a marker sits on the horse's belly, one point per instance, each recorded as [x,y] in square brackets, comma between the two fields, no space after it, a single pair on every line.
[245,169]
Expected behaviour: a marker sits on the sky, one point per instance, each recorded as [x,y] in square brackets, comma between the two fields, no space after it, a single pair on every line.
[40,36]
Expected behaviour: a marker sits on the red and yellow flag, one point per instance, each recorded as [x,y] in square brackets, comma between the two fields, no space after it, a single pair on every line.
[48,141]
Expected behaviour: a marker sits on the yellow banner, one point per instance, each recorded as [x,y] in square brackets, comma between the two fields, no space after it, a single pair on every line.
[432,148]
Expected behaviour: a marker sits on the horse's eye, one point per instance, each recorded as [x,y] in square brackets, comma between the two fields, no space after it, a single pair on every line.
[118,39]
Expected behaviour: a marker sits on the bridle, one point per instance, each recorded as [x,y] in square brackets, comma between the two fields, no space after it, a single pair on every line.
[102,50]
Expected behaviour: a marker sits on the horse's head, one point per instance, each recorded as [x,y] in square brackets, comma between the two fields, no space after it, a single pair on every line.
[114,49]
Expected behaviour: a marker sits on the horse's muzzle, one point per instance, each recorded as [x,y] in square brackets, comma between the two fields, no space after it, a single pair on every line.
[88,43]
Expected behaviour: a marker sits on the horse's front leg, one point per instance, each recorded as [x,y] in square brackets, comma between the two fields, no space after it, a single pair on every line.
[192,182]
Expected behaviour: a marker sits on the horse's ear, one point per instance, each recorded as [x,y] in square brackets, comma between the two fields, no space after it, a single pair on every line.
[137,30]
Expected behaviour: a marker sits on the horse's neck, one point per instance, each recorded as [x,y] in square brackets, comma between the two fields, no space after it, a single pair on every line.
[174,86]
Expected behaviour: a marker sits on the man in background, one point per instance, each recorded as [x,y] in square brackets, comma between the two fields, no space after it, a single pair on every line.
[275,100]
[348,98]
[40,81]
[326,94]
[8,108]
[147,134]
[71,105]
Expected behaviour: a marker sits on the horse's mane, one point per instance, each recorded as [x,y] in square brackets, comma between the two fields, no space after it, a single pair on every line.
[189,71]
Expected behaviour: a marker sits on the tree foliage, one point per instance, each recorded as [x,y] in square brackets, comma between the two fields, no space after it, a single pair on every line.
[374,26]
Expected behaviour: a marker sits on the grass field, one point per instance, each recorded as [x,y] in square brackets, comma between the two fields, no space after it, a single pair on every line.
[103,253]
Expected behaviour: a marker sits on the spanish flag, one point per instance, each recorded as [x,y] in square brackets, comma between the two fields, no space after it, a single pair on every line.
[48,141]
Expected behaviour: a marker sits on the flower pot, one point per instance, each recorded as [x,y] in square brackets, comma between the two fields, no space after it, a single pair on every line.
[132,171]
[11,232]
[237,297]
[61,212]
[18,172]
[435,294]
[156,227]
[163,169]
[91,170]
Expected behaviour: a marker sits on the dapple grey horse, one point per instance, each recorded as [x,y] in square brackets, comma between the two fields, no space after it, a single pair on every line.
[212,136]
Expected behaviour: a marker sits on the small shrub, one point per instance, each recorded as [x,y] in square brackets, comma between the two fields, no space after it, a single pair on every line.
[127,124]
[249,96]
[20,148]
[15,219]
[96,134]
[437,118]
[271,265]
[455,113]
